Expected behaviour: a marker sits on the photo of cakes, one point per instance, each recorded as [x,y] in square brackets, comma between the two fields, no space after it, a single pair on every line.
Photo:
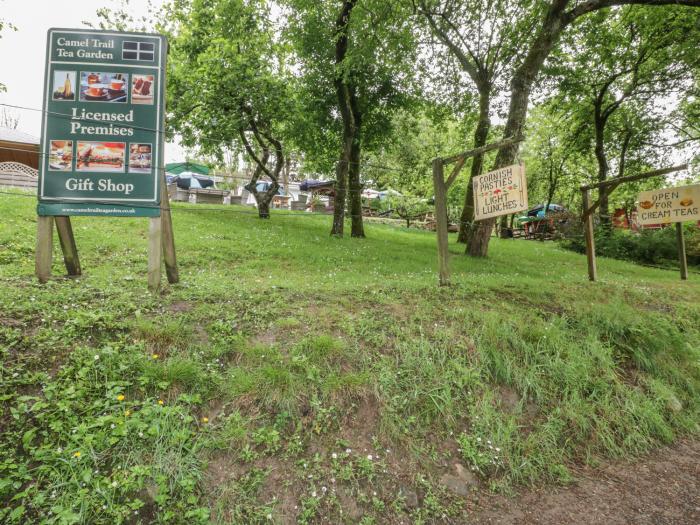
[103,87]
[61,155]
[140,158]
[142,88]
[64,85]
[101,156]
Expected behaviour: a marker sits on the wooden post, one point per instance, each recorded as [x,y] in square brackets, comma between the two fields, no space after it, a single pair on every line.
[590,239]
[155,253]
[681,251]
[44,248]
[168,235]
[68,246]
[441,221]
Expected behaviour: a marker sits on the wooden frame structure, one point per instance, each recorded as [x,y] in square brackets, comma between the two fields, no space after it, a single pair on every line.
[588,209]
[161,245]
[442,186]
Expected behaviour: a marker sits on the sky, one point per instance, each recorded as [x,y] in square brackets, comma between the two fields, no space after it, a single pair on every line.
[23,52]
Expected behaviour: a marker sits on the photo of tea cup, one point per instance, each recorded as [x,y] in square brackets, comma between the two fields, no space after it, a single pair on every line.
[94,91]
[117,84]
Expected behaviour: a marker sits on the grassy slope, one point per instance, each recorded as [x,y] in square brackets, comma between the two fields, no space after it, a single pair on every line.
[282,347]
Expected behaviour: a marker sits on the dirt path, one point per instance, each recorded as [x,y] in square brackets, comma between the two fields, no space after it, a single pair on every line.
[663,488]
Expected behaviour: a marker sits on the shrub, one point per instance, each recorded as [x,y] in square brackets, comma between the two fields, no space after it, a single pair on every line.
[658,247]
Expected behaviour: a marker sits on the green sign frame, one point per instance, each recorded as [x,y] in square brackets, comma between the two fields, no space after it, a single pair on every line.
[103,124]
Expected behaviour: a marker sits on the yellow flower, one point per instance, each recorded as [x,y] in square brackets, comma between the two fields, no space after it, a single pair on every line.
[205,420]
[160,401]
[154,356]
[127,413]
[76,454]
[120,397]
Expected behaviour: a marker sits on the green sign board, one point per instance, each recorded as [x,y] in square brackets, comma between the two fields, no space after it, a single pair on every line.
[103,124]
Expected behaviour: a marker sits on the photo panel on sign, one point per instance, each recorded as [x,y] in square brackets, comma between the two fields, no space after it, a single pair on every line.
[103,86]
[140,158]
[61,155]
[142,89]
[64,86]
[107,157]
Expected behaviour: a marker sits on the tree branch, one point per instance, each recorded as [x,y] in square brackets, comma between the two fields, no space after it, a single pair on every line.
[594,5]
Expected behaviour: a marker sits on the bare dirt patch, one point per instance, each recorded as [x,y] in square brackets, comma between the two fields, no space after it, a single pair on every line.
[661,489]
[180,307]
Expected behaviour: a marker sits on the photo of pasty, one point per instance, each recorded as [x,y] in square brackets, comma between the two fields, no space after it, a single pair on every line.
[646,205]
[686,202]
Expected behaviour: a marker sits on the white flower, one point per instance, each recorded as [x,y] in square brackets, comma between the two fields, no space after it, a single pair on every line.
[114,484]
[348,450]
[369,456]
[97,356]
[140,434]
[334,455]
[324,489]
[111,426]
[313,494]
[269,517]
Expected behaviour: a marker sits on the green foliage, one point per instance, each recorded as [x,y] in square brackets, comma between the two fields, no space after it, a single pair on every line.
[379,64]
[226,70]
[646,247]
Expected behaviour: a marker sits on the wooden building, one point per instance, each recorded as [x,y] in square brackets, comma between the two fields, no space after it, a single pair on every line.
[19,159]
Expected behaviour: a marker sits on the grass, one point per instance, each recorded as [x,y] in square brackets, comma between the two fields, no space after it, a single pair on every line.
[293,377]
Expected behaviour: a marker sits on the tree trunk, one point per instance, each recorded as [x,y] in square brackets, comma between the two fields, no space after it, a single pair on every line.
[345,95]
[263,205]
[466,220]
[355,196]
[341,185]
[521,86]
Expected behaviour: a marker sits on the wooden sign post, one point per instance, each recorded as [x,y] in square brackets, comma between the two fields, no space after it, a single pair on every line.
[441,187]
[589,209]
[102,142]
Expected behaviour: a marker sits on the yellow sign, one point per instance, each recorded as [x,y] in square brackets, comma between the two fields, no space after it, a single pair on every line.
[500,192]
[669,205]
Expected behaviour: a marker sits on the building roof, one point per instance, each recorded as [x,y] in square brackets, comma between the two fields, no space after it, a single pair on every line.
[17,146]
[14,135]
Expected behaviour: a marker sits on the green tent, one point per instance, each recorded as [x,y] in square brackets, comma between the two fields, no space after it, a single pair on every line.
[178,167]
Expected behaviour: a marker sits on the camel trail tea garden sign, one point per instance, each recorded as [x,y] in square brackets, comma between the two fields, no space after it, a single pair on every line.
[102,141]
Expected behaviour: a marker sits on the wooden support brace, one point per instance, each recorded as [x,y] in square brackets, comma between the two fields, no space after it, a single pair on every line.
[155,253]
[44,248]
[68,246]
